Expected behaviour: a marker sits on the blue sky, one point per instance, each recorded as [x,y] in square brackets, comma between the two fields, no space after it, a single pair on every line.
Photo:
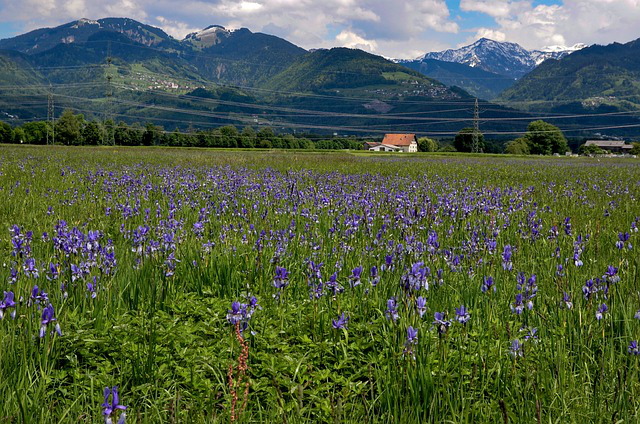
[393,28]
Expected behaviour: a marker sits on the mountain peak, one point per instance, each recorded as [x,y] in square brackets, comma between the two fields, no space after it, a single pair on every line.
[84,21]
[210,36]
[499,57]
[557,49]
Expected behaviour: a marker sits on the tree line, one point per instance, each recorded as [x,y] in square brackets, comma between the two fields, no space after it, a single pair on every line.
[72,129]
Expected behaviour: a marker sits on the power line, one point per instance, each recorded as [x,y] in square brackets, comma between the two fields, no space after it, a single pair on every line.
[110,140]
[476,129]
[51,118]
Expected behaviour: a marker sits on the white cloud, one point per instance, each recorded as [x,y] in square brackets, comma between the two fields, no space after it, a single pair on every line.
[573,21]
[175,29]
[354,41]
[405,26]
[491,34]
[494,8]
[394,28]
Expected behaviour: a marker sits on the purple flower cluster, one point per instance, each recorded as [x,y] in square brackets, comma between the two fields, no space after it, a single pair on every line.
[240,313]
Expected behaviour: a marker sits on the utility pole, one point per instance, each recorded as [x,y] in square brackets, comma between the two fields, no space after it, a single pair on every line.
[51,117]
[476,129]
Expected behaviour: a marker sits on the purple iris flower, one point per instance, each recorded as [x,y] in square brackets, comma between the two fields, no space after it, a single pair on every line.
[412,335]
[516,348]
[333,284]
[241,313]
[589,289]
[412,340]
[602,309]
[13,276]
[518,306]
[421,305]
[38,296]
[416,279]
[91,288]
[506,258]
[611,274]
[375,277]
[341,323]
[633,348]
[440,322]
[281,280]
[235,314]
[48,316]
[567,226]
[30,268]
[392,311]
[531,334]
[110,409]
[520,280]
[355,276]
[53,272]
[622,238]
[388,262]
[567,300]
[462,315]
[8,303]
[487,284]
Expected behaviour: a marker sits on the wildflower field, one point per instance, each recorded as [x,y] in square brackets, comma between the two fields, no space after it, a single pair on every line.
[201,286]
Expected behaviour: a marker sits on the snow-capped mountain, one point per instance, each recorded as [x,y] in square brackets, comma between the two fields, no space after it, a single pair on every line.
[509,59]
[209,36]
[554,52]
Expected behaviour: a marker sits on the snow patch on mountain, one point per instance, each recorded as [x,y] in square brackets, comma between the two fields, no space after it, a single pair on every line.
[509,59]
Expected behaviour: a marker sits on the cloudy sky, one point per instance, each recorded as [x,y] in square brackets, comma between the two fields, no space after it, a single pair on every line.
[393,28]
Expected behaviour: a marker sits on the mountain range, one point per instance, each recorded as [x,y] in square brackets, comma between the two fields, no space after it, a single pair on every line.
[212,77]
[121,68]
[502,58]
[485,68]
[597,77]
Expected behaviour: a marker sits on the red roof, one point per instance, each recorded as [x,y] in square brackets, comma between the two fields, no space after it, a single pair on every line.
[399,139]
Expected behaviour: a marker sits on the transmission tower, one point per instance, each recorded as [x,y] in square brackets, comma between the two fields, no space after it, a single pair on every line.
[476,129]
[51,116]
[108,116]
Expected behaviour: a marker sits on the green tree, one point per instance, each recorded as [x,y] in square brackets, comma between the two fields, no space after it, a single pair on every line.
[519,146]
[92,134]
[230,136]
[636,148]
[591,150]
[151,135]
[18,136]
[305,143]
[69,128]
[122,135]
[6,133]
[463,141]
[35,132]
[248,137]
[545,139]
[426,144]
[265,138]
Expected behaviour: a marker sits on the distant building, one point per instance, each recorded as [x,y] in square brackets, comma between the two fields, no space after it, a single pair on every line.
[395,143]
[380,147]
[612,146]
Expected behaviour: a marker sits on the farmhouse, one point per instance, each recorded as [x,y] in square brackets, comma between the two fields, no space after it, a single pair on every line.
[612,146]
[380,147]
[395,143]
